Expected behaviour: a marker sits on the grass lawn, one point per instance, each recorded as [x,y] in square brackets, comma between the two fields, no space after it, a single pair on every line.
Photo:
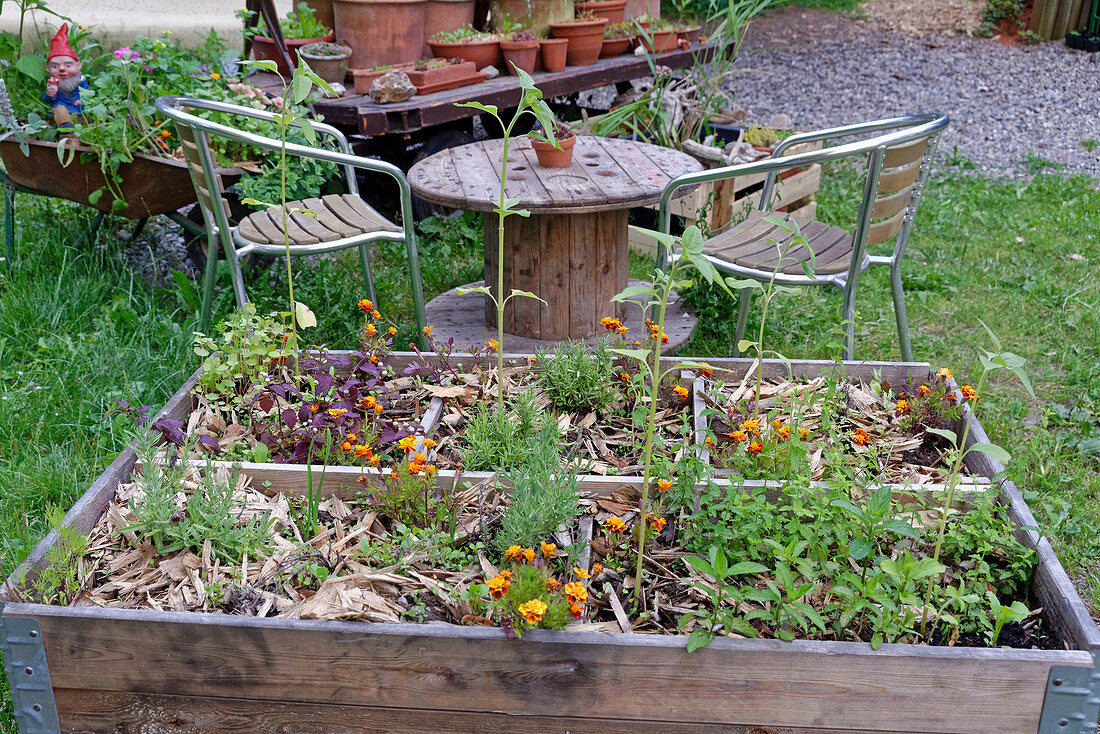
[78,331]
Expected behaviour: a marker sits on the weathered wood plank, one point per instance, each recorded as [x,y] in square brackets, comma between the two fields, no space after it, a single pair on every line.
[586,675]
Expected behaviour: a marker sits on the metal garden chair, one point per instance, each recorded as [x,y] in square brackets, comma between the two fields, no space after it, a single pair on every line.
[897,165]
[334,221]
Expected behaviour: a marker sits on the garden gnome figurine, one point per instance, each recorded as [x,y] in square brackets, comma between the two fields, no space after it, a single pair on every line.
[63,86]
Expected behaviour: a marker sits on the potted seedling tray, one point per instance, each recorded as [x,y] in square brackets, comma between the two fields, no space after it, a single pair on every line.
[93,668]
[446,76]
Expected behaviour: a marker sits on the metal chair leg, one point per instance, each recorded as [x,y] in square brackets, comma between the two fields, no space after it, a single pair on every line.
[744,302]
[209,279]
[849,312]
[900,315]
[9,225]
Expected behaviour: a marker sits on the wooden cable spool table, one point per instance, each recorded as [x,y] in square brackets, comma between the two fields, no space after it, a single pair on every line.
[572,251]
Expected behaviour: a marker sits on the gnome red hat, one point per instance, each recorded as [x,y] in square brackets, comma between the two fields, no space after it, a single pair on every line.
[59,44]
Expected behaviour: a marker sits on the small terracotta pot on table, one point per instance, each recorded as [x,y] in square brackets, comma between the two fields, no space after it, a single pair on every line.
[585,40]
[524,54]
[553,53]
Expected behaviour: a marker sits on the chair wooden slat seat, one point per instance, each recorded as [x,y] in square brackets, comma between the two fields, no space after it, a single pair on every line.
[769,245]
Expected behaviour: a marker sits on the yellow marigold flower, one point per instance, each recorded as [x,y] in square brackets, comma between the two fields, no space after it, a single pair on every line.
[663,485]
[498,586]
[532,611]
[552,584]
[777,424]
[861,438]
[429,443]
[614,525]
[659,523]
[365,305]
[393,331]
[970,393]
[784,432]
[493,345]
[549,550]
[506,573]
[346,446]
[352,437]
[429,469]
[902,407]
[215,76]
[375,460]
[739,437]
[597,569]
[377,408]
[427,330]
[709,441]
[944,374]
[575,592]
[336,412]
[622,330]
[681,391]
[803,432]
[924,391]
[407,444]
[756,447]
[418,458]
[529,554]
[415,468]
[375,315]
[514,553]
[368,401]
[751,426]
[577,610]
[363,452]
[581,573]
[314,408]
[371,330]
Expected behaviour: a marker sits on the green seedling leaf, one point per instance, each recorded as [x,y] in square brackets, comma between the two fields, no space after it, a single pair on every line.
[745,567]
[490,108]
[249,201]
[667,240]
[476,289]
[699,637]
[700,564]
[744,344]
[300,86]
[992,450]
[641,355]
[632,291]
[691,242]
[262,65]
[303,316]
[901,528]
[946,433]
[740,284]
[524,294]
[307,130]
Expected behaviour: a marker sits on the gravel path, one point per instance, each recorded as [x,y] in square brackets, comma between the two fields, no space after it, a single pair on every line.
[1004,102]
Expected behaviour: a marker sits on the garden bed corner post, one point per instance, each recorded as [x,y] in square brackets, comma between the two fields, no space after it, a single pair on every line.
[28,675]
[1072,702]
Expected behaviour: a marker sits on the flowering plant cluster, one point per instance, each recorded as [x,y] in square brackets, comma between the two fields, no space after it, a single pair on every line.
[932,404]
[530,596]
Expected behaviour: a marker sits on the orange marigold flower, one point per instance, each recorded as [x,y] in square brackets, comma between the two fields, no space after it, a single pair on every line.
[549,550]
[577,610]
[614,525]
[368,401]
[506,573]
[709,441]
[166,134]
[418,458]
[756,447]
[784,432]
[970,393]
[581,573]
[663,485]
[611,324]
[313,408]
[532,611]
[597,569]
[658,523]
[944,374]
[377,408]
[365,305]
[337,412]
[375,315]
[352,437]
[803,432]
[622,330]
[372,359]
[498,585]
[393,331]
[346,446]
[751,426]
[706,370]
[902,407]
[427,330]
[739,436]
[624,377]
[514,553]
[552,584]
[375,460]
[429,443]
[529,554]
[407,444]
[681,391]
[371,330]
[493,345]
[415,468]
[430,469]
[575,592]
[861,438]
[363,452]
[924,391]
[951,398]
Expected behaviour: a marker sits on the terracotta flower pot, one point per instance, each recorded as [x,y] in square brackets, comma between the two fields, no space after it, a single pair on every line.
[327,66]
[449,76]
[553,52]
[524,54]
[263,48]
[613,10]
[445,15]
[658,41]
[551,157]
[532,15]
[381,32]
[482,53]
[615,46]
[688,34]
[322,11]
[585,40]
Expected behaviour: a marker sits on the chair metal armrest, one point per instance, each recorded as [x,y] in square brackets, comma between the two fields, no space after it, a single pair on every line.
[858,128]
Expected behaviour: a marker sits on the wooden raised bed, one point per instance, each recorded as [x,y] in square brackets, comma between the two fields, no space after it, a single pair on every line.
[140,671]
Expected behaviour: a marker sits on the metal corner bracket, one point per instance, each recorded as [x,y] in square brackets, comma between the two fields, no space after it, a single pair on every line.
[28,675]
[1072,700]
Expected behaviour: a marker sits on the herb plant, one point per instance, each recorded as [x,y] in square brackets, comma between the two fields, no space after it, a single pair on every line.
[543,497]
[575,377]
